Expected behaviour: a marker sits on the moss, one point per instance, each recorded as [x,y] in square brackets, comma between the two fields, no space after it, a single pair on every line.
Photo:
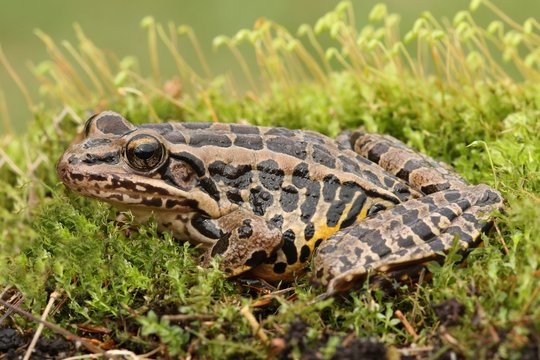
[454,100]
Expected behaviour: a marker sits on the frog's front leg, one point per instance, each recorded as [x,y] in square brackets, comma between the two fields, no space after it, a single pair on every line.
[243,240]
[412,232]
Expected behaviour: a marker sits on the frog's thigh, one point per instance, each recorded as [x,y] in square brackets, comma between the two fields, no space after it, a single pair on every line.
[246,241]
[422,172]
[405,235]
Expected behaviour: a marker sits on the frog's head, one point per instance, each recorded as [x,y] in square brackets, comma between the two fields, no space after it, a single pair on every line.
[134,167]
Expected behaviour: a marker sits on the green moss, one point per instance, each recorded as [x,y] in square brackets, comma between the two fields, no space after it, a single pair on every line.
[458,105]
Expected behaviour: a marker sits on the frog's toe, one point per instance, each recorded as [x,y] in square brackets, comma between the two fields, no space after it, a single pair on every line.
[405,235]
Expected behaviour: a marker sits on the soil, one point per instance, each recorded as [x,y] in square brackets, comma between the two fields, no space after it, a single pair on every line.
[13,345]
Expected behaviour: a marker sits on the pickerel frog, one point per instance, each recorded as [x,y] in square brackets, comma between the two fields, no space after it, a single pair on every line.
[266,199]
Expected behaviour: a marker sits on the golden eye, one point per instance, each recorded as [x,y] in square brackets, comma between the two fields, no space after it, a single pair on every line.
[144,152]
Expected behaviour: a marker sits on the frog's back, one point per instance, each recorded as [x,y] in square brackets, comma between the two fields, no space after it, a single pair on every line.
[242,144]
[303,182]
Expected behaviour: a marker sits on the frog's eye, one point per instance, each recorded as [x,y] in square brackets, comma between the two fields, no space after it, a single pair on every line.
[144,152]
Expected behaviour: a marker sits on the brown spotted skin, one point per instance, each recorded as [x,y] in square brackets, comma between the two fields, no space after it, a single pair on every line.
[264,198]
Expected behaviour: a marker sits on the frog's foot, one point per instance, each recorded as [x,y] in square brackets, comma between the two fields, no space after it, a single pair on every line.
[421,172]
[406,235]
[245,241]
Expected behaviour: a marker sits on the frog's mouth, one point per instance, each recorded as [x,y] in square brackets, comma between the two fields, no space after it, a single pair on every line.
[109,181]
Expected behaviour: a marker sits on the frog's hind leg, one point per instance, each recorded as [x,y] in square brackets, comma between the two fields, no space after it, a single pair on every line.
[420,171]
[410,233]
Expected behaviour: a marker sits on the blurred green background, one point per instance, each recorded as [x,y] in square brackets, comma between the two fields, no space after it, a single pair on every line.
[115,26]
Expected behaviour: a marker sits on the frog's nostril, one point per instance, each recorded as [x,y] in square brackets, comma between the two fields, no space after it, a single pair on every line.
[73,160]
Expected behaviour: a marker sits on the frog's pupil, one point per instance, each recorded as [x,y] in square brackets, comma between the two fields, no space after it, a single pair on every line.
[145,151]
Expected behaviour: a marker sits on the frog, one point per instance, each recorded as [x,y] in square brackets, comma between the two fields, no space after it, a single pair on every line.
[272,202]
